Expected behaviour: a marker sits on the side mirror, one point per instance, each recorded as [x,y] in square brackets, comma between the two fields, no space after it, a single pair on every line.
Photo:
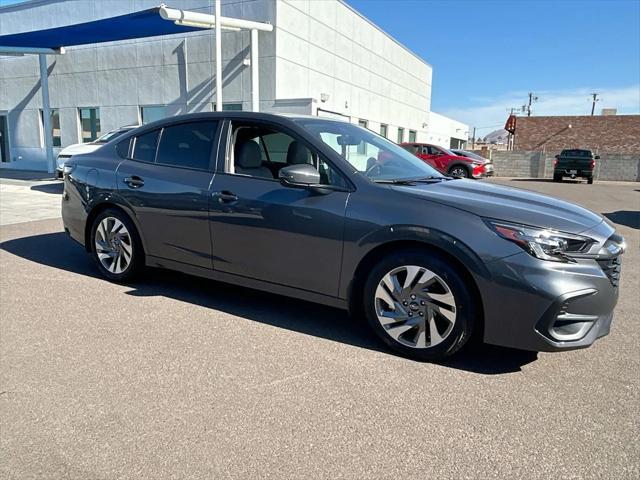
[301,175]
[597,157]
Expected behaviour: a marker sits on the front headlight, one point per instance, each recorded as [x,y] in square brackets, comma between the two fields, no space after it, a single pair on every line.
[542,243]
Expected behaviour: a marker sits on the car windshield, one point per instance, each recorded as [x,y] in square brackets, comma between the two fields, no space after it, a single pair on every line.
[111,135]
[370,154]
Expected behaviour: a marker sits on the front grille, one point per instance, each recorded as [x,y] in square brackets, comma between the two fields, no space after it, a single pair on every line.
[611,267]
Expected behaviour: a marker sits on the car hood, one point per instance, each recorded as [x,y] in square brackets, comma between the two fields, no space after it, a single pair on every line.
[506,203]
[79,148]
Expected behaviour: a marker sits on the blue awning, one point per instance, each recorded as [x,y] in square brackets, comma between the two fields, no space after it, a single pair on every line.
[146,23]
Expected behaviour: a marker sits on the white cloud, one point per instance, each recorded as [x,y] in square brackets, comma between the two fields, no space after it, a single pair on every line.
[489,114]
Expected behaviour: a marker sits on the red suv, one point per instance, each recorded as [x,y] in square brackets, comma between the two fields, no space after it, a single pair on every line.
[447,162]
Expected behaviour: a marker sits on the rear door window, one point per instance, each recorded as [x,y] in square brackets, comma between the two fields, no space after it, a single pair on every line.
[144,148]
[187,145]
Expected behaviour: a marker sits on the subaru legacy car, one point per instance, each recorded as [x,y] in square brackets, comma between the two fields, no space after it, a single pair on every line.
[330,212]
[81,148]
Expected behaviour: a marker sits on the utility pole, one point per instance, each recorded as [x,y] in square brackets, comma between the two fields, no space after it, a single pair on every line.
[473,139]
[594,96]
[532,98]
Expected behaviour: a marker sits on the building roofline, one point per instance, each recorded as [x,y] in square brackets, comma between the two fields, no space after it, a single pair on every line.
[400,44]
[618,115]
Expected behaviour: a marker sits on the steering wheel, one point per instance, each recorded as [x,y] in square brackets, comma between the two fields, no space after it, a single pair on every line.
[376,168]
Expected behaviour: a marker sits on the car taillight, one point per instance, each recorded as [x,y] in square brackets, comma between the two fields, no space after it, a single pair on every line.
[593,164]
[555,162]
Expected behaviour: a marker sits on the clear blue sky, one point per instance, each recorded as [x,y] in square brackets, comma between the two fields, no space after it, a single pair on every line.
[486,55]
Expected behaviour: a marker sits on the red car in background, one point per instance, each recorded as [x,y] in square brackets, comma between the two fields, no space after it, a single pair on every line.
[447,162]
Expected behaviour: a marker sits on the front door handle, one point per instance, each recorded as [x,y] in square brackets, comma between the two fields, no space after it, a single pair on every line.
[225,196]
[134,181]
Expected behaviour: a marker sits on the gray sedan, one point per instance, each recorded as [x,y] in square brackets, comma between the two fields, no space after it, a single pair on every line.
[329,212]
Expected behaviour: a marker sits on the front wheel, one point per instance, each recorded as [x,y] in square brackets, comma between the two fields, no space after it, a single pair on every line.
[116,247]
[459,171]
[419,305]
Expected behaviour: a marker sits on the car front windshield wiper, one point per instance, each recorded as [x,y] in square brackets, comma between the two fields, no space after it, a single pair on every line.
[412,181]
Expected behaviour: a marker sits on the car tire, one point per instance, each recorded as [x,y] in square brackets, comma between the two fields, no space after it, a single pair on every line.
[459,171]
[433,311]
[557,178]
[590,180]
[116,246]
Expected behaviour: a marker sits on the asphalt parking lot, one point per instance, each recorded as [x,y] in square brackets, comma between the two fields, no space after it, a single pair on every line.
[179,377]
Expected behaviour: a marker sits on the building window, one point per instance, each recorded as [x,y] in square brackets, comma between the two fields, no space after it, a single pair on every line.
[362,146]
[89,124]
[412,136]
[55,126]
[383,130]
[151,113]
[229,107]
[400,135]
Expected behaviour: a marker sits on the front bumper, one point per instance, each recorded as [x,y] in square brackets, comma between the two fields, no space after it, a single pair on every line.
[482,171]
[539,305]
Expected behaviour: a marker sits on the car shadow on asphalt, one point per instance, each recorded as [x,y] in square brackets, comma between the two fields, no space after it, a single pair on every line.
[629,218]
[57,250]
[54,188]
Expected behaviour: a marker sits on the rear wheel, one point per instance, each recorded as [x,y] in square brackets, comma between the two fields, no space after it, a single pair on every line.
[419,305]
[459,171]
[590,180]
[557,178]
[115,246]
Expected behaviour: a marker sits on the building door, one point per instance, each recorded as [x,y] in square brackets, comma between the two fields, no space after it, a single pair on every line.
[4,139]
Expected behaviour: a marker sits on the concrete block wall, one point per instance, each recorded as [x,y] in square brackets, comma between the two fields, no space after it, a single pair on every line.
[538,164]
[518,163]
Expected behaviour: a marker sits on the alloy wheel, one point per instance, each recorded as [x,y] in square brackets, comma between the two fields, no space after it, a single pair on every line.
[114,245]
[459,172]
[415,306]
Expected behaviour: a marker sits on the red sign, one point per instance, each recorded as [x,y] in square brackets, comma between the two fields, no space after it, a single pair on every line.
[510,126]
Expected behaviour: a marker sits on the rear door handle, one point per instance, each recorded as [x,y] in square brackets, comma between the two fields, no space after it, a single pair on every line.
[134,181]
[225,196]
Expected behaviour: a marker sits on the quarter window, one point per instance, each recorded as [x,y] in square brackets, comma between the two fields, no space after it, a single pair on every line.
[89,124]
[145,147]
[187,145]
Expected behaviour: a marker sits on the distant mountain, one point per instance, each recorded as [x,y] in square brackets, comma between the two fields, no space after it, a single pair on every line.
[498,136]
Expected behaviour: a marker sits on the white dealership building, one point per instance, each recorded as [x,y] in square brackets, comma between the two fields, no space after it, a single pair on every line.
[322,58]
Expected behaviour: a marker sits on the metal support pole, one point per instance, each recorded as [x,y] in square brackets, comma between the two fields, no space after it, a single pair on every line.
[46,113]
[218,58]
[255,72]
